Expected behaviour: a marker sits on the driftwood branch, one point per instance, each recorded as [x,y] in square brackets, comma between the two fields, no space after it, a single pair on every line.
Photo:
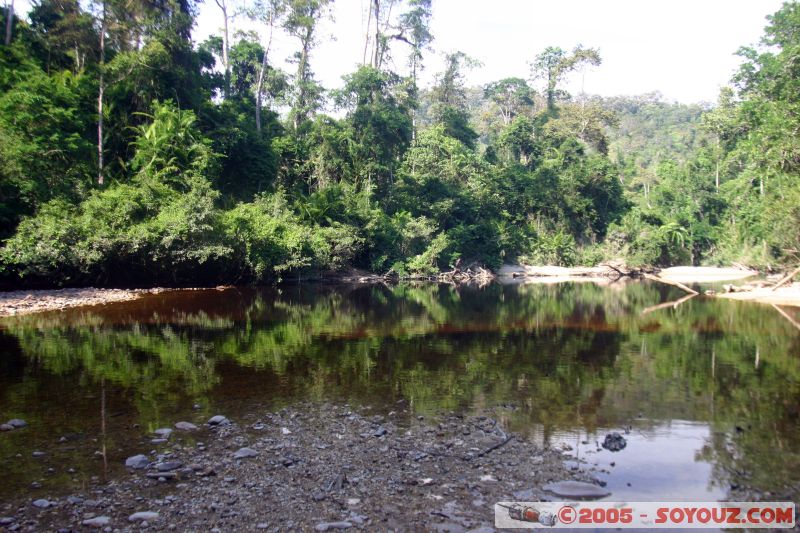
[670,282]
[493,448]
[673,304]
[786,316]
[786,278]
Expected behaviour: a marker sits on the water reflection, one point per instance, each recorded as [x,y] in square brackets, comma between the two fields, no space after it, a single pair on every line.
[565,362]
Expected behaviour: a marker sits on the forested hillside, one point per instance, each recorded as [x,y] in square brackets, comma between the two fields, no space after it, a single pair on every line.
[131,154]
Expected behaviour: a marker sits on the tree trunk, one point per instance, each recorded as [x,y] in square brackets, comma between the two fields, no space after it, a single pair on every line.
[377,4]
[302,74]
[225,45]
[9,21]
[366,38]
[261,75]
[716,172]
[100,95]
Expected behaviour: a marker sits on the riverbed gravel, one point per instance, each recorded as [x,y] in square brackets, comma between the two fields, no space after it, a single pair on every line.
[312,467]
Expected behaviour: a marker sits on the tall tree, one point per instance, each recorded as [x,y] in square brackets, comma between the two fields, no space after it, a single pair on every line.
[302,21]
[554,63]
[226,44]
[101,93]
[269,13]
[449,99]
[9,21]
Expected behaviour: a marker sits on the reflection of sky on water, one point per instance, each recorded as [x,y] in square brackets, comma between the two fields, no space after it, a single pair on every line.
[658,464]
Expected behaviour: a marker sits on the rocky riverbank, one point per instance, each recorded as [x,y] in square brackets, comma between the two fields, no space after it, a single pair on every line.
[310,468]
[34,301]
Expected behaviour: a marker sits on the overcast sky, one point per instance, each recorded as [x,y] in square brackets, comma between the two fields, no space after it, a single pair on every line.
[683,48]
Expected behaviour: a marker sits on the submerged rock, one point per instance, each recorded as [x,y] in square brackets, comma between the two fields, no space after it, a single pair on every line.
[42,503]
[576,489]
[17,423]
[137,462]
[185,426]
[614,442]
[163,432]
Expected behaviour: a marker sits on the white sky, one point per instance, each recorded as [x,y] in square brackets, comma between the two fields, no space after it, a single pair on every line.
[682,48]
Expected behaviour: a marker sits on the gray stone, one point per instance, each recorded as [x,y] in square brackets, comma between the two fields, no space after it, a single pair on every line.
[38,454]
[6,427]
[380,432]
[262,525]
[74,500]
[327,526]
[17,423]
[41,503]
[163,432]
[614,442]
[143,515]
[218,420]
[6,520]
[185,426]
[97,521]
[242,453]
[137,462]
[168,466]
[576,489]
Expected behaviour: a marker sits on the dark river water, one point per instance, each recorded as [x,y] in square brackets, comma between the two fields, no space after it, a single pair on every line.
[707,394]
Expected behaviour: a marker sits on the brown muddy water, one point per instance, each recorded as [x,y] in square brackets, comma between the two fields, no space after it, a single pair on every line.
[707,394]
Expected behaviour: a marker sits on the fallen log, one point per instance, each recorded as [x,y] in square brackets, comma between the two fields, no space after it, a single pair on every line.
[786,316]
[678,284]
[786,278]
[673,304]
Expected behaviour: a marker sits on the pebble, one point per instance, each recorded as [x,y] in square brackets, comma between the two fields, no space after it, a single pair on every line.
[163,432]
[326,526]
[97,521]
[143,515]
[41,503]
[168,466]
[185,426]
[38,454]
[218,420]
[262,525]
[137,462]
[380,432]
[6,520]
[74,500]
[242,453]
[17,423]
[285,431]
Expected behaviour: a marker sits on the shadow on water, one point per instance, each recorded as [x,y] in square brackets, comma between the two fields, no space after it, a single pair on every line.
[709,392]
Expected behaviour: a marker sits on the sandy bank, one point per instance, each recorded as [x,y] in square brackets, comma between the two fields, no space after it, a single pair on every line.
[789,295]
[688,274]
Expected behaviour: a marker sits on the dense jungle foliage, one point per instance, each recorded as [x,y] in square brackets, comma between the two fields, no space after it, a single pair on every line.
[130,154]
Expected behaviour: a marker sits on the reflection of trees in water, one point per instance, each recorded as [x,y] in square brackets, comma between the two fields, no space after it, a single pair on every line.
[566,356]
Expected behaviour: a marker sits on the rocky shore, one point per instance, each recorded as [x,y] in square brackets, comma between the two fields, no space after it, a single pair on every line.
[309,468]
[34,301]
